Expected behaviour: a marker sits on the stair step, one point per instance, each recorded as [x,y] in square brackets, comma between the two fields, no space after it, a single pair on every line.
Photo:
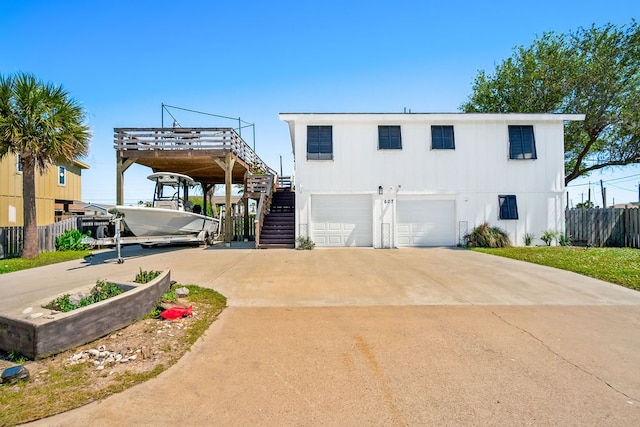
[277,242]
[278,227]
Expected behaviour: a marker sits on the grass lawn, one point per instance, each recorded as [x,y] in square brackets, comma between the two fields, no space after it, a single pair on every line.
[45,258]
[615,265]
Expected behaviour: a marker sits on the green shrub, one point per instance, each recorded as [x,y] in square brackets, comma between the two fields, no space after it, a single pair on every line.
[564,239]
[146,276]
[305,243]
[62,303]
[71,240]
[101,291]
[548,236]
[528,239]
[484,236]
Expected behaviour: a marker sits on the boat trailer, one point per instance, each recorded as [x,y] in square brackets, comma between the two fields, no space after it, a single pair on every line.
[118,240]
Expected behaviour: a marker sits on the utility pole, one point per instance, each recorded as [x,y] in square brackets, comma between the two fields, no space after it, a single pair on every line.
[604,195]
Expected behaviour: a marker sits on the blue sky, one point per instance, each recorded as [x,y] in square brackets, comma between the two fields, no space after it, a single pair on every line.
[255,59]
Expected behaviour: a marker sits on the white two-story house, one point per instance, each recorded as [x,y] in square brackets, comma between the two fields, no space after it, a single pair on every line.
[409,179]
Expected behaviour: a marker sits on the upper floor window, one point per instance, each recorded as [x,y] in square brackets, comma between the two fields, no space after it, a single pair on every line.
[508,207]
[62,175]
[442,138]
[389,138]
[319,143]
[522,144]
[18,163]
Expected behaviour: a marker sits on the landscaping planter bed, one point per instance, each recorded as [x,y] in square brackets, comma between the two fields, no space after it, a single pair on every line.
[52,333]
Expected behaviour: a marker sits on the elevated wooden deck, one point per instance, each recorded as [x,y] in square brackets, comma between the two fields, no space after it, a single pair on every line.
[196,152]
[208,155]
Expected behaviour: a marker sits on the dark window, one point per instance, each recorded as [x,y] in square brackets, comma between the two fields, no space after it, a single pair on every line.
[442,138]
[508,207]
[522,144]
[62,175]
[389,138]
[19,163]
[319,143]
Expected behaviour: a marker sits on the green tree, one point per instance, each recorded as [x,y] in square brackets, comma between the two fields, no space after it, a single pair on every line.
[593,71]
[44,126]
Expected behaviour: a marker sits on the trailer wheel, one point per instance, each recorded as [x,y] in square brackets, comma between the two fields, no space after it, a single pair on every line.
[209,238]
[102,231]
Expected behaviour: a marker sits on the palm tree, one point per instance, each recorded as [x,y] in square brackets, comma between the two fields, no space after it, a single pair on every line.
[44,126]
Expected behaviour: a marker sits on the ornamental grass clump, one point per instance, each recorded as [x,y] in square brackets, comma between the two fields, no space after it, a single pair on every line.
[484,236]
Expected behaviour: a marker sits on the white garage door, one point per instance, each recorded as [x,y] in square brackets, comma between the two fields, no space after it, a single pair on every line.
[341,220]
[423,222]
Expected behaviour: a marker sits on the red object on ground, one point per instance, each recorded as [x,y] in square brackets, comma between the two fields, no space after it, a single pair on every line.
[176,313]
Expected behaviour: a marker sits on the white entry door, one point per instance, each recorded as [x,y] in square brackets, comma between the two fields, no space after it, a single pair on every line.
[341,220]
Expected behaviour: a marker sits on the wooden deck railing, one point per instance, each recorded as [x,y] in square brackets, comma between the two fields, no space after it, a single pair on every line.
[265,185]
[223,140]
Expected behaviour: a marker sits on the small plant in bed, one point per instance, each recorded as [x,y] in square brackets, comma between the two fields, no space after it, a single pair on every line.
[146,276]
[101,291]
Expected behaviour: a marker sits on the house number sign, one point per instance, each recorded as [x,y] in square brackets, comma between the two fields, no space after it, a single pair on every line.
[388,201]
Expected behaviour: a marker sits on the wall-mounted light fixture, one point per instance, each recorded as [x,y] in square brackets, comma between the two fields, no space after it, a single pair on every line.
[380,190]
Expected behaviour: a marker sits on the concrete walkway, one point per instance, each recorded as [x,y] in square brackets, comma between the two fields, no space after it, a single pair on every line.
[377,337]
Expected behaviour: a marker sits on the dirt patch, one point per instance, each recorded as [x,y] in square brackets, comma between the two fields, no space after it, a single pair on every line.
[143,346]
[108,365]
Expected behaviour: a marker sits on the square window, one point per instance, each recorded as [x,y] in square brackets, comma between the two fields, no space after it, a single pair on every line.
[62,175]
[389,138]
[442,138]
[508,207]
[522,144]
[319,143]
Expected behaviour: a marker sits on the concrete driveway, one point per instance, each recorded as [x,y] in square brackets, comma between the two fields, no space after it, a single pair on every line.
[378,337]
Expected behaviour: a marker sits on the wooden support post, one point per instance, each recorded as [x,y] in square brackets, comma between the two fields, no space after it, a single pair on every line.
[246,208]
[122,165]
[205,192]
[227,165]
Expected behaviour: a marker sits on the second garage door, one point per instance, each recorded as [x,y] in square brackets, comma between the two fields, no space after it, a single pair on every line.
[424,222]
[341,220]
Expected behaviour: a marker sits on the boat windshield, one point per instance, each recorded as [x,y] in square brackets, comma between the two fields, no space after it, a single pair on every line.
[170,195]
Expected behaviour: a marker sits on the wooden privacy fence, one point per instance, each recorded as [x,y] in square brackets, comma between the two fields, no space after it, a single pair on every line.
[12,238]
[604,227]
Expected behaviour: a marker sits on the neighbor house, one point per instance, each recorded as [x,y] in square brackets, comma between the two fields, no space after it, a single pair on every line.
[58,192]
[408,179]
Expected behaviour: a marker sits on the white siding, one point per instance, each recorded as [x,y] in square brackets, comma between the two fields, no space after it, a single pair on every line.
[474,174]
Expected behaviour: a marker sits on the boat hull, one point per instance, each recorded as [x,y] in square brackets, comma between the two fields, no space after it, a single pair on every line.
[147,222]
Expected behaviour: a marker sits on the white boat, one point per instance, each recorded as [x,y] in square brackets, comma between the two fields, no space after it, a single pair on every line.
[171,212]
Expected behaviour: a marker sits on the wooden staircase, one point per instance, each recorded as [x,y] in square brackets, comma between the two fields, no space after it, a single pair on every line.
[278,226]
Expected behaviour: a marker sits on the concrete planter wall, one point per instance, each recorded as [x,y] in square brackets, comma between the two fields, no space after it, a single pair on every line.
[46,335]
